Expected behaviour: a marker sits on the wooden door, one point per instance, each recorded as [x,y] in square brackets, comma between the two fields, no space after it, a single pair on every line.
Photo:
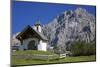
[32,45]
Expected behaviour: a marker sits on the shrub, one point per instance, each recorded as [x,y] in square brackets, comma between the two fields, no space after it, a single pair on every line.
[58,49]
[82,48]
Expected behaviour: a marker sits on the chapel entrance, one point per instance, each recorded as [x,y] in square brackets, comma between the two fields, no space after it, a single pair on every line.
[32,45]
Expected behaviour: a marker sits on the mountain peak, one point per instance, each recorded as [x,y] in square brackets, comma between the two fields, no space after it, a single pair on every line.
[71,26]
[80,11]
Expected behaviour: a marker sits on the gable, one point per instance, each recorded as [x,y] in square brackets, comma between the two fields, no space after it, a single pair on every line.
[29,32]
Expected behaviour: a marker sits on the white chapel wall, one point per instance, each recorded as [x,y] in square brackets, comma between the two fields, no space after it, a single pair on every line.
[42,45]
[26,42]
[39,28]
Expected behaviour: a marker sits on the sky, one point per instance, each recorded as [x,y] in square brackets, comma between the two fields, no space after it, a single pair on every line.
[28,13]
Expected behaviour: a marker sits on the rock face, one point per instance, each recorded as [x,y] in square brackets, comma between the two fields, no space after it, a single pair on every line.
[70,26]
[14,41]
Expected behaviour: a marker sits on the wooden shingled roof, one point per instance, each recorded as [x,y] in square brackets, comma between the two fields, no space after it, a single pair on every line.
[29,32]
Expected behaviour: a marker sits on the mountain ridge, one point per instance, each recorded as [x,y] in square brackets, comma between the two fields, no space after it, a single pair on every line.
[70,26]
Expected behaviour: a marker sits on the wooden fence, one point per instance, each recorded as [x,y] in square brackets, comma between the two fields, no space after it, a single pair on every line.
[36,56]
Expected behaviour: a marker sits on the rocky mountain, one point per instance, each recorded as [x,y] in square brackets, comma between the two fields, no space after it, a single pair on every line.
[15,41]
[70,26]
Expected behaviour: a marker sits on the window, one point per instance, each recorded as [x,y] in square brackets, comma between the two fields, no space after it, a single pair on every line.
[37,28]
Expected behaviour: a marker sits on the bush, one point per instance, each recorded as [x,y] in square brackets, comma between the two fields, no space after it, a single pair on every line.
[82,48]
[59,49]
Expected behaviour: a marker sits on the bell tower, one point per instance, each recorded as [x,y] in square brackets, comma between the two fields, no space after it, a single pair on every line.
[37,26]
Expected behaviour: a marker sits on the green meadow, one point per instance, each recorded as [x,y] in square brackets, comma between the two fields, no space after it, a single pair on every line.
[30,61]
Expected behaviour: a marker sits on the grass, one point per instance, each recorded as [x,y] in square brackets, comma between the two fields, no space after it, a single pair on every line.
[32,52]
[16,61]
[67,60]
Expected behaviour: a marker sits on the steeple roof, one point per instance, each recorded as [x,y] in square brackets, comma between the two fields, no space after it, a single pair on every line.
[37,23]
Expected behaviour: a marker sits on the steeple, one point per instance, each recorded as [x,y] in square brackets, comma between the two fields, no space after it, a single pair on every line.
[37,26]
[37,23]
